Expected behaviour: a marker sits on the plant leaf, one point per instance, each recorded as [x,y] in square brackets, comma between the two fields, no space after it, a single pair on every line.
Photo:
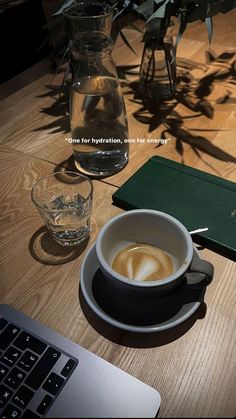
[222,6]
[209,25]
[146,9]
[160,12]
[66,3]
[182,27]
[118,13]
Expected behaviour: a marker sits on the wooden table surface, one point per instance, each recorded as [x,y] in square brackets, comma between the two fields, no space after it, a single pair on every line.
[192,365]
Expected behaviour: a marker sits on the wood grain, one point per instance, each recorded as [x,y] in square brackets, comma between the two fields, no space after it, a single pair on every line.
[36,122]
[192,365]
[20,225]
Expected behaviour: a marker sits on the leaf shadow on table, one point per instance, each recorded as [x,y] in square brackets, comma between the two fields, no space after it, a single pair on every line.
[139,340]
[59,109]
[193,92]
[47,251]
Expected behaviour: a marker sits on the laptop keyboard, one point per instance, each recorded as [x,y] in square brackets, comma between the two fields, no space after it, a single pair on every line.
[32,372]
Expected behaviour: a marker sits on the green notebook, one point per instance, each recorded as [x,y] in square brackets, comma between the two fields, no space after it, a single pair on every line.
[196,198]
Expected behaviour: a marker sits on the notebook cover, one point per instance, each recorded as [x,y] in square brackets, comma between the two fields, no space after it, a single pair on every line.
[196,198]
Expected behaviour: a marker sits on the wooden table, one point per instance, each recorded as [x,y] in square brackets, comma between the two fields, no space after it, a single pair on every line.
[192,365]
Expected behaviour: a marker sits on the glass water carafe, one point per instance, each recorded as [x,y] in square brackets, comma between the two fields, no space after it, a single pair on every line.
[97,111]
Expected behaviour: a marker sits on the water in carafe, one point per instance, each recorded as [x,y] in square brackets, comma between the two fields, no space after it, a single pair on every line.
[98,125]
[98,120]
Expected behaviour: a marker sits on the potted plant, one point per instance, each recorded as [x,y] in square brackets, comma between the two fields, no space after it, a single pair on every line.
[158,62]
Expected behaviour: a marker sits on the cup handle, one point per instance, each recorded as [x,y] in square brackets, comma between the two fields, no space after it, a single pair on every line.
[203,267]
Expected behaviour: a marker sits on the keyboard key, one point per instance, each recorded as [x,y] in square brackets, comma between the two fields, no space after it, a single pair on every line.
[15,378]
[3,371]
[10,356]
[68,368]
[11,412]
[53,383]
[27,341]
[45,403]
[27,361]
[3,323]
[5,395]
[42,368]
[22,397]
[7,336]
[28,414]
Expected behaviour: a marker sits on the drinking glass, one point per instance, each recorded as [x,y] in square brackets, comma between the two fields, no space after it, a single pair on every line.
[64,201]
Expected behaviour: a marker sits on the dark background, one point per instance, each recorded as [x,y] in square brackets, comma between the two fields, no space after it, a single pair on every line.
[24,38]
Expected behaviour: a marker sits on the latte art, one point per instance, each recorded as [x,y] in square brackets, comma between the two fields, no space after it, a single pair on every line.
[143,262]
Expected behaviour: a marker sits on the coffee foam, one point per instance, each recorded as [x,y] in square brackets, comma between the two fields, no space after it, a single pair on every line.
[143,262]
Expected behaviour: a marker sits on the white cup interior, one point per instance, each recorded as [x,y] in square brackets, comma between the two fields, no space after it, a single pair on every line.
[145,226]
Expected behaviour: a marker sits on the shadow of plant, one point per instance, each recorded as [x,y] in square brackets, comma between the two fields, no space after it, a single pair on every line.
[196,83]
[58,109]
[193,92]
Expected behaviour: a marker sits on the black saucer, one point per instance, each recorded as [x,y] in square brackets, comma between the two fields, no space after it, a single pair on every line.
[152,315]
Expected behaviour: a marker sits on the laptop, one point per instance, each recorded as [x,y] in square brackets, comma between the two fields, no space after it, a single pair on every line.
[43,374]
